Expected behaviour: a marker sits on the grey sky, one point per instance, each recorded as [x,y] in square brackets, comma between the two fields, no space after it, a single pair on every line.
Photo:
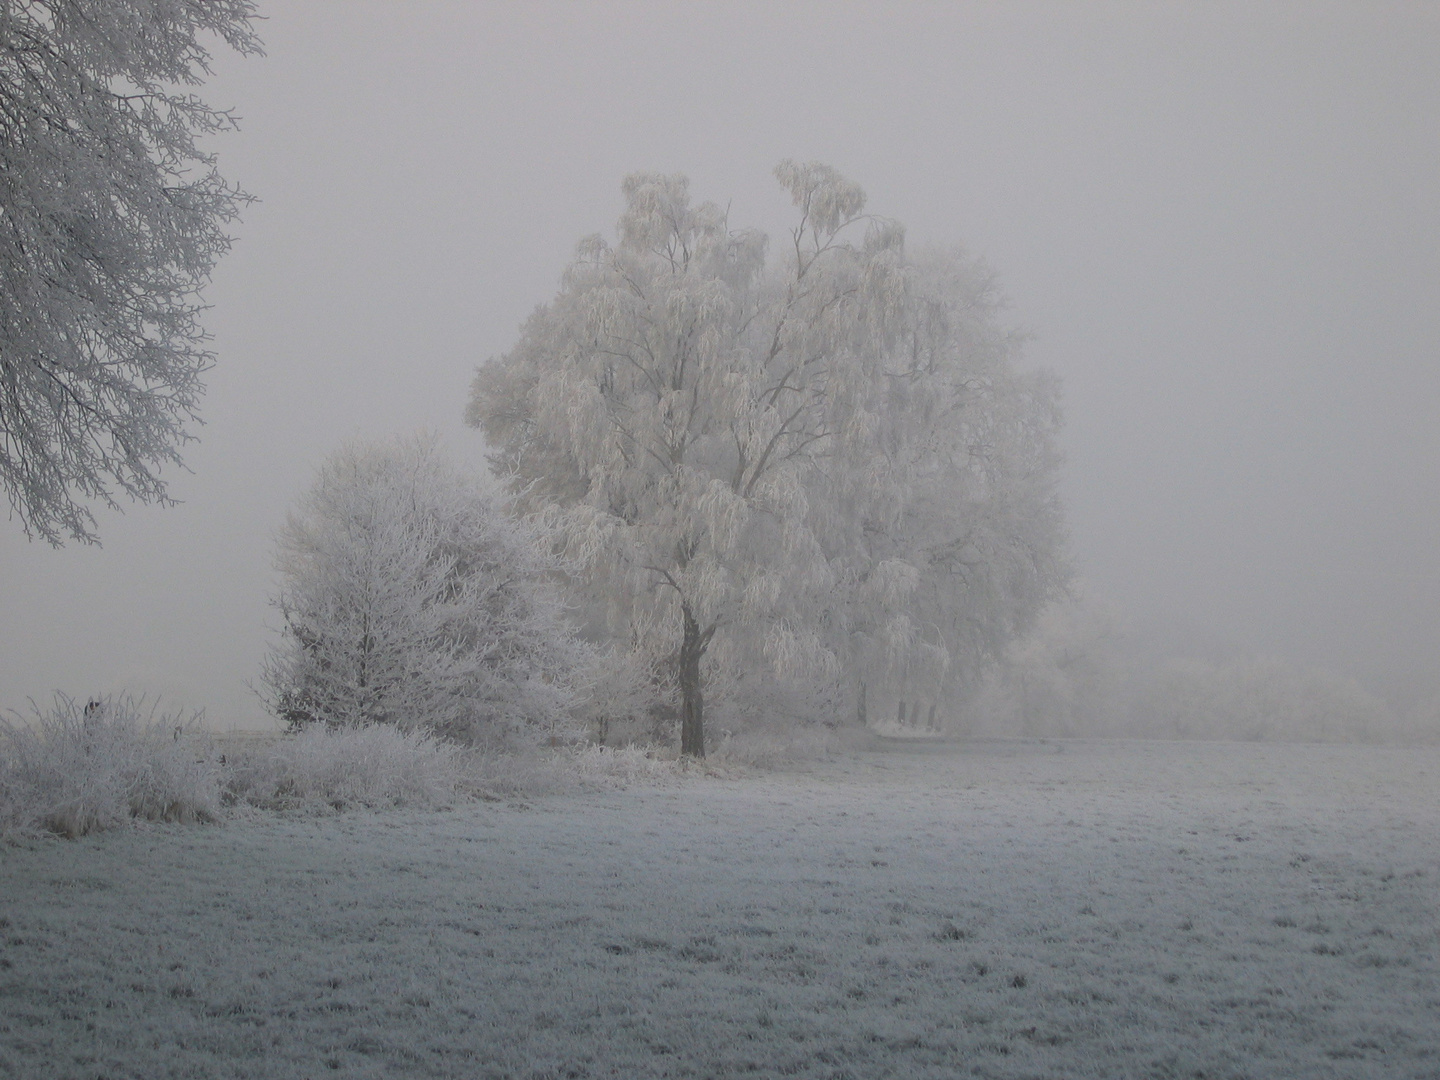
[1219,221]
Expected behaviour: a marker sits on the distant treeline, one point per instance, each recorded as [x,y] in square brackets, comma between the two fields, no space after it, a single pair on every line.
[1079,674]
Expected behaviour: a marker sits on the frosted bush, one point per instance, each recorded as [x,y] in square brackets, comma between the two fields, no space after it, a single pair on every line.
[622,766]
[375,766]
[75,769]
[411,597]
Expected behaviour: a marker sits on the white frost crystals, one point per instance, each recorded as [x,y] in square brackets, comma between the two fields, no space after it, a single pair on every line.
[112,217]
[823,468]
[413,598]
[77,768]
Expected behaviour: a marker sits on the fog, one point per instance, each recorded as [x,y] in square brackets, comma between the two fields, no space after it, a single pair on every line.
[1218,223]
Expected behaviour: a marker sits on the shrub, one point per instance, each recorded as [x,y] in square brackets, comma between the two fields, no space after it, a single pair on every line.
[337,768]
[75,769]
[413,598]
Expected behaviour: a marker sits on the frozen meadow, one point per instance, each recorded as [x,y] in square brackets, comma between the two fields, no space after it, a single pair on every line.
[995,909]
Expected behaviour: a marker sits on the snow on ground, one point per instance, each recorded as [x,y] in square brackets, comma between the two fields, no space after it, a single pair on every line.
[991,909]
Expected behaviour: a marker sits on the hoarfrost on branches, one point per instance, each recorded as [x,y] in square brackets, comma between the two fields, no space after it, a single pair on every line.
[111,219]
[412,598]
[825,467]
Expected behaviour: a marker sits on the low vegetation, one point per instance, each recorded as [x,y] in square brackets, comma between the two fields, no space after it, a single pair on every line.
[74,769]
[988,909]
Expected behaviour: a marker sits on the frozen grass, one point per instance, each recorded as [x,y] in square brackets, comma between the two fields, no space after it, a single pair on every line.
[994,909]
[74,768]
[757,746]
[320,769]
[535,773]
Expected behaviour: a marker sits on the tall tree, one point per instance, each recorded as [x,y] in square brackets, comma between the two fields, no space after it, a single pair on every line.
[945,524]
[751,457]
[111,219]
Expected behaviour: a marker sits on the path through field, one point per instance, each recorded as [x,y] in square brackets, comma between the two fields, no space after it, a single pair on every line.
[997,909]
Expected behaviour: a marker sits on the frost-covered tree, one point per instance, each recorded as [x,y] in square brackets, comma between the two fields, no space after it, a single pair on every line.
[1069,676]
[941,522]
[111,218]
[413,598]
[825,466]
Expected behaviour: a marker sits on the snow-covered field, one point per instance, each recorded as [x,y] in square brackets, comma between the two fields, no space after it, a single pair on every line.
[1005,908]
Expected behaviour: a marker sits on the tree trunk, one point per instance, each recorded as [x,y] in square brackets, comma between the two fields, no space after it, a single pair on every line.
[692,697]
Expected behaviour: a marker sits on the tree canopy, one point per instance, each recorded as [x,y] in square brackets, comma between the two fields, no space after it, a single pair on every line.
[413,598]
[111,218]
[823,466]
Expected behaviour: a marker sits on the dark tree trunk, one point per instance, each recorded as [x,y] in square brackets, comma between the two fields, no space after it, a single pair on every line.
[692,696]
